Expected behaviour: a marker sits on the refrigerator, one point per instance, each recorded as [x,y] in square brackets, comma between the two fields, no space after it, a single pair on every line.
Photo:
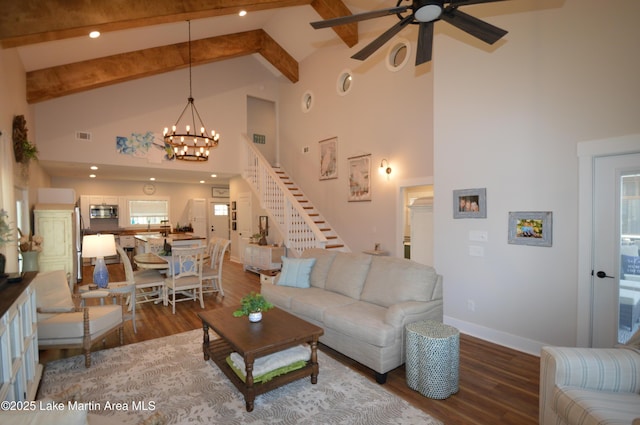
[60,227]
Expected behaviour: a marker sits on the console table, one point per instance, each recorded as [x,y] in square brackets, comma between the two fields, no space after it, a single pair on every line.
[262,257]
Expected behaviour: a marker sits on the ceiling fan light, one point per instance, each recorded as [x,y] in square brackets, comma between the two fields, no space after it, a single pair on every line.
[428,11]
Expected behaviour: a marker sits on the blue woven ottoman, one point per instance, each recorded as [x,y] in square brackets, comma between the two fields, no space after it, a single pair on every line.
[433,358]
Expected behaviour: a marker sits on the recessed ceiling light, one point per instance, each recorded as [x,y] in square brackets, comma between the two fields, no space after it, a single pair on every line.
[152,179]
[242,13]
[214,175]
[93,167]
[93,176]
[201,181]
[94,34]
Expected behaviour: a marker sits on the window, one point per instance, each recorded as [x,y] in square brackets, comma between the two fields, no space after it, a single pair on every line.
[630,208]
[221,209]
[147,212]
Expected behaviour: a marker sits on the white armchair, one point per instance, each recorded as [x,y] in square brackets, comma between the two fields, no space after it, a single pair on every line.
[589,386]
[62,324]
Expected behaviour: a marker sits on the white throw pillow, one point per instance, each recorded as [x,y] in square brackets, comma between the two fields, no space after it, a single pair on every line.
[296,272]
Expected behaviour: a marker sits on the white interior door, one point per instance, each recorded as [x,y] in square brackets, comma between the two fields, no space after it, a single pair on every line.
[219,219]
[610,216]
[244,221]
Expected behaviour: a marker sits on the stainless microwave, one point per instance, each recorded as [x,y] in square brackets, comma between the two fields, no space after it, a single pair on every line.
[103,211]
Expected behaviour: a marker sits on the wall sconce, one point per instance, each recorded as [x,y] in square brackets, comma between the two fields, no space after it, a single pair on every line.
[384,170]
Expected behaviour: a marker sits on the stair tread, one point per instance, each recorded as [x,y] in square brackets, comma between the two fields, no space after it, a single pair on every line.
[334,246]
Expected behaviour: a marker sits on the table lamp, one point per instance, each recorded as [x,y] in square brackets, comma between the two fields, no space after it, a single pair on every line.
[99,246]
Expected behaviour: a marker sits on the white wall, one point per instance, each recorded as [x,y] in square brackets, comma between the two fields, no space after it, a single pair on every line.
[220,91]
[385,114]
[508,119]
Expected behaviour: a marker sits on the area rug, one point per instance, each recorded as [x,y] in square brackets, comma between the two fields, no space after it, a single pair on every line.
[169,375]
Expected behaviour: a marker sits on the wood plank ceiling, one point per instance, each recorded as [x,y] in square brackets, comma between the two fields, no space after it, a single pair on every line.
[35,21]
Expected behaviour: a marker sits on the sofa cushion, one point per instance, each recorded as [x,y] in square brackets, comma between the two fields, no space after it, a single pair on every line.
[52,290]
[579,406]
[312,304]
[69,327]
[395,280]
[362,321]
[348,273]
[320,270]
[296,272]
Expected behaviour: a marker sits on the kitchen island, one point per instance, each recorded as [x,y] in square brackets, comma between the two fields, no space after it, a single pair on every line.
[154,241]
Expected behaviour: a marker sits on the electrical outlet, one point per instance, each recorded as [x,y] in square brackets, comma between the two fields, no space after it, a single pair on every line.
[471,305]
[305,149]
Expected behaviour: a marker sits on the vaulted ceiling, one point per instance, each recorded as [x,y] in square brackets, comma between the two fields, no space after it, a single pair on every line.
[148,37]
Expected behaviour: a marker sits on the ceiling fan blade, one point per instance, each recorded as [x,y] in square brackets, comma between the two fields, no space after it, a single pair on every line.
[386,36]
[425,43]
[474,26]
[456,3]
[358,17]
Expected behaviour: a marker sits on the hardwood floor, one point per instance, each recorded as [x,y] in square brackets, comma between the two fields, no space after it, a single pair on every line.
[497,385]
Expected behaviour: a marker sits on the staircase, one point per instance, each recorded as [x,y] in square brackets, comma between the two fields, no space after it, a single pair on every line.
[299,222]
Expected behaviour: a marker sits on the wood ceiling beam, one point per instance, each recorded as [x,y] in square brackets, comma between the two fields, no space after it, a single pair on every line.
[35,21]
[72,78]
[329,9]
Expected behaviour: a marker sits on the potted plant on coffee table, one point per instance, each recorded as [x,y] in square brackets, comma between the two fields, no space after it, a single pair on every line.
[253,305]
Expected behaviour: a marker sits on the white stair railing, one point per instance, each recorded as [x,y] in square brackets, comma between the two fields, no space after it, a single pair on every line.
[297,227]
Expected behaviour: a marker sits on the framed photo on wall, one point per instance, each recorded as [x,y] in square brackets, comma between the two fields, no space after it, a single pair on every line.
[360,178]
[329,158]
[530,228]
[470,203]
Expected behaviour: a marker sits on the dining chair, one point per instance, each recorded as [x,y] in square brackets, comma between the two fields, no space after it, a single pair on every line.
[185,276]
[212,269]
[148,282]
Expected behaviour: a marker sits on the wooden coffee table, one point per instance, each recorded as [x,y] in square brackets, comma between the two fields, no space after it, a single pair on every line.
[277,331]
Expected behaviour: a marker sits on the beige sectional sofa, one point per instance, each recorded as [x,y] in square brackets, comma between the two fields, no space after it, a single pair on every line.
[362,302]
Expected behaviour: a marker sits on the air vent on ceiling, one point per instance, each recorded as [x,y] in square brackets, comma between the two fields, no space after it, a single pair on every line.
[83,135]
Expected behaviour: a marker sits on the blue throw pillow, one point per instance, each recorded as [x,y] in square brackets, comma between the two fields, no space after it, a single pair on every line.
[296,272]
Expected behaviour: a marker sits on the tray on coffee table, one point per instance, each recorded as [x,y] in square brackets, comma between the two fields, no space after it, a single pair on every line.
[277,331]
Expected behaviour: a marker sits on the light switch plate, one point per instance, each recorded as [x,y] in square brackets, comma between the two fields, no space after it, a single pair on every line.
[476,251]
[478,235]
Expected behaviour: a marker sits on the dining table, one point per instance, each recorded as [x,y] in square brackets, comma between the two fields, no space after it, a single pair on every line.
[149,260]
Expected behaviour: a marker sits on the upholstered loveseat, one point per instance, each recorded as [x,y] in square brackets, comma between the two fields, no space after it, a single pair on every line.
[362,302]
[589,386]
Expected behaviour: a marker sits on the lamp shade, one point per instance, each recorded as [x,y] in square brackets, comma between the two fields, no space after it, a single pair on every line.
[100,245]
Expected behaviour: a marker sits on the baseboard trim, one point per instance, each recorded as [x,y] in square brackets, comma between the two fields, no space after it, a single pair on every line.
[497,337]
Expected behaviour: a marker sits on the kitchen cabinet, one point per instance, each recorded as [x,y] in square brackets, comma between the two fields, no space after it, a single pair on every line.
[103,200]
[262,257]
[55,223]
[422,231]
[20,371]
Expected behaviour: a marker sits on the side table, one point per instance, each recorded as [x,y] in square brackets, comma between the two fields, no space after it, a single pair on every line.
[268,276]
[113,288]
[433,358]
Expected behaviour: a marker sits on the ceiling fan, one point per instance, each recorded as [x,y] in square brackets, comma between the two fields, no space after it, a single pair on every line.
[423,13]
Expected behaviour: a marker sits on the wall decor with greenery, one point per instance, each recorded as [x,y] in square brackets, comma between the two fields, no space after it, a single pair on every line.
[23,149]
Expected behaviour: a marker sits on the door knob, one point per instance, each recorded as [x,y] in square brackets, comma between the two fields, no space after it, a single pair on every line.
[602,275]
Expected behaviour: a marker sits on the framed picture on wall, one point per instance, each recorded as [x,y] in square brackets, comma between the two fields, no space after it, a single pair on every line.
[530,228]
[233,215]
[329,158]
[470,203]
[233,205]
[233,225]
[359,178]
